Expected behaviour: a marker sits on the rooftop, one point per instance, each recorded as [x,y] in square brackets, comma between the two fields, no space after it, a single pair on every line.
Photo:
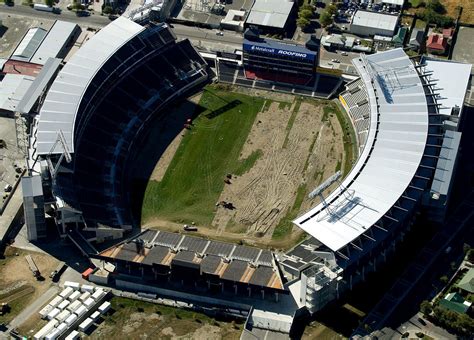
[388,163]
[64,97]
[375,20]
[270,13]
[436,42]
[467,282]
[228,261]
[29,44]
[12,89]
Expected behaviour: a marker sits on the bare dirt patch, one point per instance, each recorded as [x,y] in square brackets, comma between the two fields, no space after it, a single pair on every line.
[299,144]
[17,285]
[467,15]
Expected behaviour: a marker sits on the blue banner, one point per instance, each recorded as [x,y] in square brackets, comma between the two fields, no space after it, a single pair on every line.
[298,53]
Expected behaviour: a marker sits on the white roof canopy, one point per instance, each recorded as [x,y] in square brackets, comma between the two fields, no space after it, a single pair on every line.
[60,107]
[388,163]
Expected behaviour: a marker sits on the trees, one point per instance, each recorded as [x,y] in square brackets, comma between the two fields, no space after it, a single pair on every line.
[303,23]
[49,3]
[107,9]
[426,308]
[325,19]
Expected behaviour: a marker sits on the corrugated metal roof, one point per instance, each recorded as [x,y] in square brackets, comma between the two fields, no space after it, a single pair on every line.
[41,81]
[29,44]
[31,186]
[375,20]
[271,13]
[56,39]
[446,162]
[64,97]
[452,79]
[12,89]
[388,163]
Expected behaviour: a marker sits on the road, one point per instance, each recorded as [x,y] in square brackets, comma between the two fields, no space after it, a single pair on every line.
[33,308]
[414,326]
[198,35]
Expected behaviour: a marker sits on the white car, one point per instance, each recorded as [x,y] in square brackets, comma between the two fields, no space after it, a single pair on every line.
[219,33]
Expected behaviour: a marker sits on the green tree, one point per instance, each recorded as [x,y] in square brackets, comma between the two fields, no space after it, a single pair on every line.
[426,308]
[49,3]
[107,9]
[303,23]
[305,14]
[325,19]
[76,5]
[436,6]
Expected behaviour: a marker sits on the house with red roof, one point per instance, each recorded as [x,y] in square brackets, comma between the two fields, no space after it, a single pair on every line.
[436,43]
[448,33]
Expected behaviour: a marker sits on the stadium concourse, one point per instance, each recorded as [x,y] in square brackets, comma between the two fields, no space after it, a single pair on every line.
[408,130]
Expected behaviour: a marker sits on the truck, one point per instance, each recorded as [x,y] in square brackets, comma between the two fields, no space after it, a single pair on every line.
[33,267]
[56,274]
[46,8]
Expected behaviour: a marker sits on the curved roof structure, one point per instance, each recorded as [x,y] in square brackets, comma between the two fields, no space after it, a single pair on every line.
[393,152]
[61,105]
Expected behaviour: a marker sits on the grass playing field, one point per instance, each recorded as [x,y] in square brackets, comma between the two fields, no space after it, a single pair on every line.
[195,177]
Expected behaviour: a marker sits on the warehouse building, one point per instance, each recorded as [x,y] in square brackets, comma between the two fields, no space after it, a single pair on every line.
[366,23]
[271,16]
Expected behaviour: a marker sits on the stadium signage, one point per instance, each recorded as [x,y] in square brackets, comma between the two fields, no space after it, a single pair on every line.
[278,51]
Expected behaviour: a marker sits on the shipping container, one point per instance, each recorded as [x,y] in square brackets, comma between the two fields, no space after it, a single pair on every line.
[66,292]
[62,327]
[87,288]
[56,301]
[95,316]
[63,315]
[74,305]
[98,294]
[53,335]
[80,311]
[63,305]
[84,326]
[73,336]
[87,272]
[45,330]
[89,303]
[71,319]
[72,284]
[45,311]
[75,295]
[85,296]
[51,315]
[104,308]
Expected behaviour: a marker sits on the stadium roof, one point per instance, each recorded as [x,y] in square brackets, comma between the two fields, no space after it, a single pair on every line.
[54,42]
[375,20]
[29,44]
[39,84]
[393,2]
[64,97]
[12,89]
[452,79]
[270,13]
[390,158]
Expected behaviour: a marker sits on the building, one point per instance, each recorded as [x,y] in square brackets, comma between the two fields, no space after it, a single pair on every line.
[436,44]
[33,201]
[279,62]
[417,38]
[271,16]
[84,184]
[467,282]
[56,41]
[395,111]
[29,44]
[366,23]
[12,89]
[234,20]
[455,303]
[398,39]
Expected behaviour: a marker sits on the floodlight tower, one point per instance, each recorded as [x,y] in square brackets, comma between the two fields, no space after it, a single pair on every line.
[319,191]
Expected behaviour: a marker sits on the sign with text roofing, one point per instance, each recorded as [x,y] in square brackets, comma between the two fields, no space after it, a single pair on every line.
[283,51]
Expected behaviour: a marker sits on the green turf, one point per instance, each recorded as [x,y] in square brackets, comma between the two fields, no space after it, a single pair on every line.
[194,179]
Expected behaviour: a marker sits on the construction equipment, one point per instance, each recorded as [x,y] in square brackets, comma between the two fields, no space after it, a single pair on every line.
[33,267]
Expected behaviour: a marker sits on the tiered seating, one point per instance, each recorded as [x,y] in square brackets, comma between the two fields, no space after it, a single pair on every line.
[131,86]
[357,105]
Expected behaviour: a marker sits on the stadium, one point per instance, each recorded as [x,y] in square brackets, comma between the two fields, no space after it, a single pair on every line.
[88,132]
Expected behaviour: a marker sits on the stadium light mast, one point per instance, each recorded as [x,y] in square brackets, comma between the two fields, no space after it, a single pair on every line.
[61,140]
[319,191]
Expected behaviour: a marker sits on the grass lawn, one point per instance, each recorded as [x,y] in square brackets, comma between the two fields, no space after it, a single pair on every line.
[195,177]
[181,321]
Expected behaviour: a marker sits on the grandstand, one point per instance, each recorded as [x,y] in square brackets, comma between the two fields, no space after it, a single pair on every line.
[393,105]
[96,110]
